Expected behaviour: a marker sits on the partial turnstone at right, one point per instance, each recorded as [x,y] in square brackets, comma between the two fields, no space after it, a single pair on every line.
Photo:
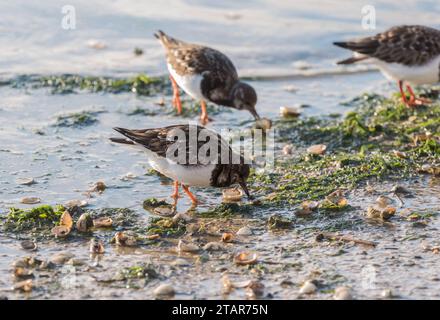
[406,54]
[179,152]
[206,75]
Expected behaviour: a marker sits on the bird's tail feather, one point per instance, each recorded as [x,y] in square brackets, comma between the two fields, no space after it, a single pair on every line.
[121,140]
[352,60]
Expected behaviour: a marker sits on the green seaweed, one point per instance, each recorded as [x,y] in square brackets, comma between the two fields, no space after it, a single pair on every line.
[71,83]
[224,210]
[77,119]
[43,216]
[278,222]
[166,227]
[360,147]
[139,272]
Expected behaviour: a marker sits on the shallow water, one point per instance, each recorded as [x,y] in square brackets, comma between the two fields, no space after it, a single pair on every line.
[265,39]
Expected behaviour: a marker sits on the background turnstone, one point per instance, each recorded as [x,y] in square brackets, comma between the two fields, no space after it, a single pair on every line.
[203,172]
[205,74]
[408,54]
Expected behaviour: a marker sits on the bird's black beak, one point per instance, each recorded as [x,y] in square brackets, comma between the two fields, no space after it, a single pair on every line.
[245,189]
[255,114]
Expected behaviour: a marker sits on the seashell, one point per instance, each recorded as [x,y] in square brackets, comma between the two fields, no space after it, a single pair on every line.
[342,293]
[287,149]
[125,239]
[153,236]
[163,211]
[25,286]
[181,217]
[384,201]
[103,222]
[263,123]
[164,290]
[84,223]
[303,212]
[245,258]
[383,214]
[337,198]
[96,44]
[308,287]
[22,273]
[213,246]
[30,200]
[29,245]
[317,149]
[244,231]
[301,65]
[66,220]
[387,294]
[25,181]
[254,289]
[60,231]
[183,246]
[232,194]
[227,284]
[61,257]
[289,112]
[96,246]
[310,205]
[227,237]
[76,203]
[431,169]
[128,176]
[400,154]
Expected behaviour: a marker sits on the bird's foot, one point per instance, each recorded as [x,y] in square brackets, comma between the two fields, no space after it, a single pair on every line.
[204,119]
[175,196]
[190,195]
[414,102]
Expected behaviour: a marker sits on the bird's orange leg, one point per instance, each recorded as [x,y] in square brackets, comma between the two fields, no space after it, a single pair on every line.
[176,95]
[402,92]
[175,194]
[204,119]
[190,195]
[413,101]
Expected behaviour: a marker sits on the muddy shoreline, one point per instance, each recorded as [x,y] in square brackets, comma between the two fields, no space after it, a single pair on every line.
[313,229]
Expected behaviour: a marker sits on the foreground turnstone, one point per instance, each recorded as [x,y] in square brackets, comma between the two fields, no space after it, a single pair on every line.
[195,165]
[206,75]
[408,54]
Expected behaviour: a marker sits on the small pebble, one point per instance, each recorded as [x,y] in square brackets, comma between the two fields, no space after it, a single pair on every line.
[213,246]
[30,200]
[61,257]
[183,246]
[308,288]
[164,290]
[387,294]
[25,181]
[29,245]
[287,149]
[244,231]
[342,293]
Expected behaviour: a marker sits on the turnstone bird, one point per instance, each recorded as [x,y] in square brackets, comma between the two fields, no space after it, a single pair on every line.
[195,165]
[406,54]
[206,75]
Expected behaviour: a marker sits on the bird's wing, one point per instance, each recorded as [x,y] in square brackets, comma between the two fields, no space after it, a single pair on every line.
[218,71]
[407,45]
[182,142]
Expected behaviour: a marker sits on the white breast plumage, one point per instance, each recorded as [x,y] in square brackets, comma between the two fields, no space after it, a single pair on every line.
[416,75]
[191,83]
